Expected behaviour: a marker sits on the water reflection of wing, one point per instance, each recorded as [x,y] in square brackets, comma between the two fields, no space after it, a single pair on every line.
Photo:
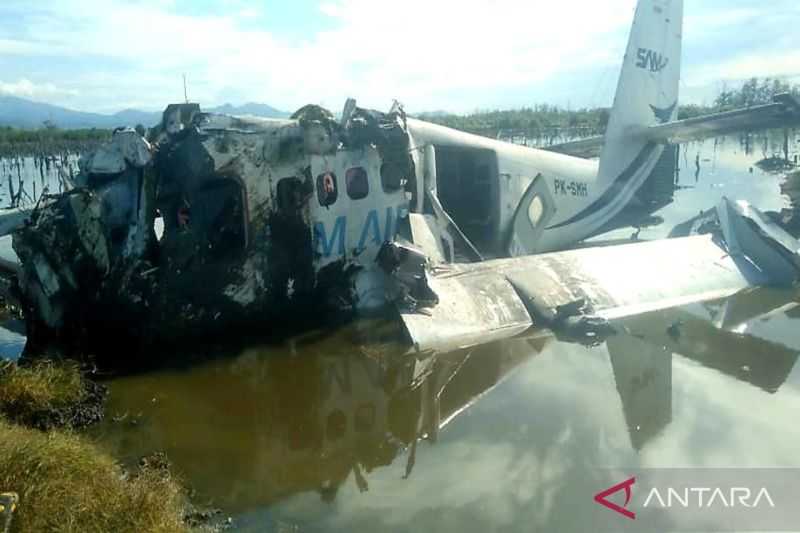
[643,373]
[456,382]
[752,304]
[762,363]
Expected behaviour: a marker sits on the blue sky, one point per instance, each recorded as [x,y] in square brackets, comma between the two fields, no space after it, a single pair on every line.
[455,55]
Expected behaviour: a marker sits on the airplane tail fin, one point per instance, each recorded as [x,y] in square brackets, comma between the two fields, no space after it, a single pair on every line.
[647,95]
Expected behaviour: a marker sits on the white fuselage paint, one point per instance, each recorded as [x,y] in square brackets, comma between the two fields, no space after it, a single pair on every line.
[572,182]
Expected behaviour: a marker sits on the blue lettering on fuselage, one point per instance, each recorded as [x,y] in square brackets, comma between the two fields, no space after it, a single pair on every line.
[371,226]
[370,233]
[325,247]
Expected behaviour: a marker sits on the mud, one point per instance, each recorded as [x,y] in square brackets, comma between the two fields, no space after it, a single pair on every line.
[207,520]
[80,415]
[89,410]
[196,517]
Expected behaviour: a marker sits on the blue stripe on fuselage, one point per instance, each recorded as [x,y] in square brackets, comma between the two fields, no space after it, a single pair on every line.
[615,189]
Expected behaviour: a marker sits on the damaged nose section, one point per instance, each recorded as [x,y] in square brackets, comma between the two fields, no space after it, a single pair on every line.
[56,260]
[267,225]
[76,246]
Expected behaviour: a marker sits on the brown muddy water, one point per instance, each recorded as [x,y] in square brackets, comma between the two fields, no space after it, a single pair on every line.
[340,431]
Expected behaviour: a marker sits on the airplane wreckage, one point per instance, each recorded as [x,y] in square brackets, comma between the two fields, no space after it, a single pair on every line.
[210,223]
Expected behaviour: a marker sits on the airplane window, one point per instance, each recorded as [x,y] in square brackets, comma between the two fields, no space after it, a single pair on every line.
[357,183]
[327,190]
[535,211]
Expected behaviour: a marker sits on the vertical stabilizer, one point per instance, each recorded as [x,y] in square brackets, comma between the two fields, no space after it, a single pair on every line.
[647,95]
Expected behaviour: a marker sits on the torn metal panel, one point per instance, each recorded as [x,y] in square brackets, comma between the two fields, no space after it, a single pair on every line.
[11,219]
[62,252]
[126,147]
[9,262]
[765,252]
[750,235]
[474,308]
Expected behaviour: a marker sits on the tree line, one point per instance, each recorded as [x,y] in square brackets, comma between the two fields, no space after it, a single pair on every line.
[48,140]
[541,121]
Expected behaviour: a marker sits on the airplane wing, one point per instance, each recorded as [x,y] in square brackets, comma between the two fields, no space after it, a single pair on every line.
[783,112]
[573,293]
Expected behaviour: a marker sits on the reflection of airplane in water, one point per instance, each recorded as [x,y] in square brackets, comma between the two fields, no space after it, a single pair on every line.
[309,420]
[306,421]
[642,358]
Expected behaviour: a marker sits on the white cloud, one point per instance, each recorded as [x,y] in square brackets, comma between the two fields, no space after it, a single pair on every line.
[448,54]
[422,53]
[25,88]
[762,64]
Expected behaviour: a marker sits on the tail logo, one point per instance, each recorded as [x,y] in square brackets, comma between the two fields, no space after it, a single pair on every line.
[664,115]
[650,60]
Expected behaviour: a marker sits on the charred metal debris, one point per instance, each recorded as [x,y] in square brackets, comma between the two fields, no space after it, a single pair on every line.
[209,222]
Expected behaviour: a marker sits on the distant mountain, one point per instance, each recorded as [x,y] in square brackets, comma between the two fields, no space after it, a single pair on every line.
[21,113]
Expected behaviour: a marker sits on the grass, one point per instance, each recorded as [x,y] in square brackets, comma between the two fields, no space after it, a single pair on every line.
[67,484]
[34,395]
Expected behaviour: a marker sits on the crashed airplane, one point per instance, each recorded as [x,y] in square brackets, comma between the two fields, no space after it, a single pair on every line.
[211,223]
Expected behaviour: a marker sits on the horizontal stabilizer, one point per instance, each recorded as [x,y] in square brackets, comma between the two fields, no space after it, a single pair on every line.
[587,148]
[784,112]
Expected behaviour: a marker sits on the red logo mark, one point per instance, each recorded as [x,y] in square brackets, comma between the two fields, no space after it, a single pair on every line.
[626,486]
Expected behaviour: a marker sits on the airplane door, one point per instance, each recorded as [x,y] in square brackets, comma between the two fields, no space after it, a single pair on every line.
[533,213]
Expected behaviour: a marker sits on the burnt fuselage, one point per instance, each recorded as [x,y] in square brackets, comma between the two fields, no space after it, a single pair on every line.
[216,223]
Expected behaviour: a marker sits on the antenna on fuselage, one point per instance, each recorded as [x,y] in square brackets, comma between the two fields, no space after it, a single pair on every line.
[185,91]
